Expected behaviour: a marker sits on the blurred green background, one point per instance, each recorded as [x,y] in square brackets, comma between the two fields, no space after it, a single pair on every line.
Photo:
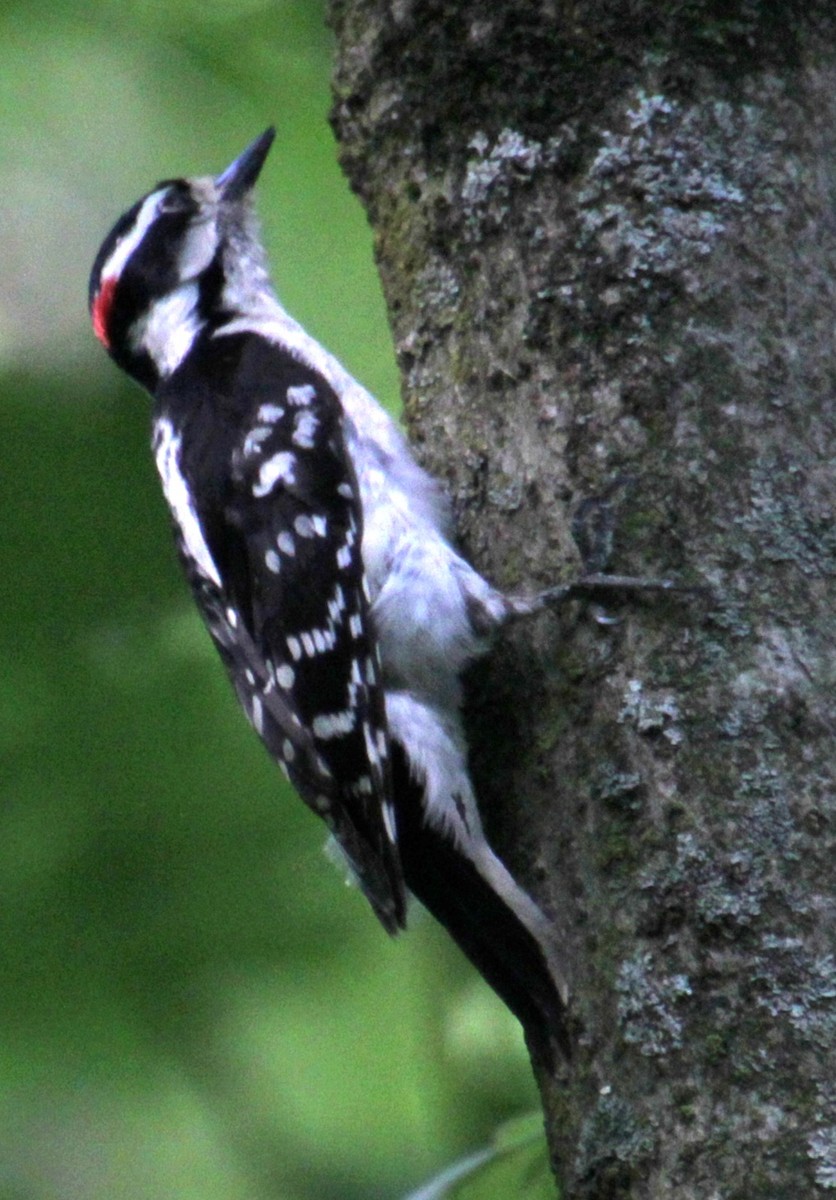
[192,1003]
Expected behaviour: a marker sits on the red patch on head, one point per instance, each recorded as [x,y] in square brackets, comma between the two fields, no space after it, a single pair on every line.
[100,312]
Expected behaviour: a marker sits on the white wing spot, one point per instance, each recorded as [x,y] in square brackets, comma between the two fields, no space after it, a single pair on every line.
[305,427]
[294,648]
[308,644]
[320,525]
[253,440]
[344,556]
[300,396]
[331,725]
[288,752]
[281,468]
[285,675]
[286,543]
[304,525]
[272,562]
[270,413]
[355,625]
[346,491]
[258,715]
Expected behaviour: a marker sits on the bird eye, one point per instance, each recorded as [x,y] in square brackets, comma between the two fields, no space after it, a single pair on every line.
[172,203]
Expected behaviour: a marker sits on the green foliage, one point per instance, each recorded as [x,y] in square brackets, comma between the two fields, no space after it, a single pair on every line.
[515,1165]
[192,1003]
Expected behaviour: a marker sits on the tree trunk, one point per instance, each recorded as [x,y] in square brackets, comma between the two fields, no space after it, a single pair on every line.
[607,242]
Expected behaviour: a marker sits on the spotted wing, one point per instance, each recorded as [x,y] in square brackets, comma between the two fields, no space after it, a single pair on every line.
[290,617]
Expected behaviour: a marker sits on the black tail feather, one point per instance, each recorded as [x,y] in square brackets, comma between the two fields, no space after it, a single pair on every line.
[487,930]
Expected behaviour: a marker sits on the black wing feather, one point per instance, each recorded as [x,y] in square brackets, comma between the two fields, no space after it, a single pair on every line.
[279,507]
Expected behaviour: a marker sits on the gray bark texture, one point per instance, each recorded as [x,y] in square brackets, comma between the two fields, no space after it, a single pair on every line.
[607,241]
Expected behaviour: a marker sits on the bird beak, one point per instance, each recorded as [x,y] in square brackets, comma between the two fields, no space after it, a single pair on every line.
[240,175]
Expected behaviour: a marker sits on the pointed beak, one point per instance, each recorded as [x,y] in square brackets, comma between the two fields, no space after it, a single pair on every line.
[240,175]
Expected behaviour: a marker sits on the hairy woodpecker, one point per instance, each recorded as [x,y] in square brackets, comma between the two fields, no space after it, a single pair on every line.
[318,553]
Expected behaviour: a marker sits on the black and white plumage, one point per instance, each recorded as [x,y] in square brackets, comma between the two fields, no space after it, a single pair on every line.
[319,555]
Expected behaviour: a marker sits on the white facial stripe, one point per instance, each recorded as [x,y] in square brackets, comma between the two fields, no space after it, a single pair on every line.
[169,328]
[198,249]
[126,245]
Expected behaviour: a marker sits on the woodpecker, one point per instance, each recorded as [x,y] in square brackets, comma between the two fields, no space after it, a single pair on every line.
[319,554]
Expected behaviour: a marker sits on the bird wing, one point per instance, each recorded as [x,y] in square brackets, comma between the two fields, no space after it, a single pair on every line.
[288,608]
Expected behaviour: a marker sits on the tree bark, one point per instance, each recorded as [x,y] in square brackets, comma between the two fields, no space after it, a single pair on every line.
[607,243]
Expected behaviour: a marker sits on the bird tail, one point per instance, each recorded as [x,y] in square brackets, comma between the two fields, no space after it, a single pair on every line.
[486,913]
